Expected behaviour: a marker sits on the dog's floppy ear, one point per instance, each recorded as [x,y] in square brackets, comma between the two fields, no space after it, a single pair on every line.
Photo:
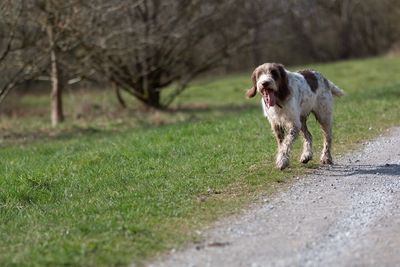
[253,90]
[283,91]
[283,75]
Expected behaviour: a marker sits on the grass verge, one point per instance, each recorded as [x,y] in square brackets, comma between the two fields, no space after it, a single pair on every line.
[106,199]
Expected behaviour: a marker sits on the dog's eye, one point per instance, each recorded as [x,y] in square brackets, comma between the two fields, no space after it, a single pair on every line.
[275,74]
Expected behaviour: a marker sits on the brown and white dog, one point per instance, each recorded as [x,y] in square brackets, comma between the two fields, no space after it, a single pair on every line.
[288,98]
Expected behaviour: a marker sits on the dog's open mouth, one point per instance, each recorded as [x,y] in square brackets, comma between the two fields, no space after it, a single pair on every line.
[269,97]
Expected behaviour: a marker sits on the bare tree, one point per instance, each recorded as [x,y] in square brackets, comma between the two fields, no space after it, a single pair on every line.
[152,44]
[16,65]
[37,37]
[54,18]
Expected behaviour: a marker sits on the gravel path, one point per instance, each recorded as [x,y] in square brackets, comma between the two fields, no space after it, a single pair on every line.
[344,215]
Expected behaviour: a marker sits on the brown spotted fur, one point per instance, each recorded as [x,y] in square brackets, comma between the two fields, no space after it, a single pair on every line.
[310,78]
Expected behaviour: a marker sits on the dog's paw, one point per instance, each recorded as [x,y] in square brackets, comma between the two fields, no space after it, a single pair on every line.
[306,157]
[326,160]
[282,162]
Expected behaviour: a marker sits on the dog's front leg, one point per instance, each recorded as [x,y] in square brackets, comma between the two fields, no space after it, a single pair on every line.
[279,134]
[282,160]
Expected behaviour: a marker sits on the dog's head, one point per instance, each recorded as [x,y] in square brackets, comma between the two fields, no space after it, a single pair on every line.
[271,82]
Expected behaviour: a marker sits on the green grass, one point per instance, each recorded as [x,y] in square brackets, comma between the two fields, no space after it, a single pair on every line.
[110,197]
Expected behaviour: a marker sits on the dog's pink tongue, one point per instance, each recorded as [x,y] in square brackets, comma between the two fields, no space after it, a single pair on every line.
[269,98]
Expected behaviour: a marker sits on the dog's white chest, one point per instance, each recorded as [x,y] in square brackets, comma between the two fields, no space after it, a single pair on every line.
[281,115]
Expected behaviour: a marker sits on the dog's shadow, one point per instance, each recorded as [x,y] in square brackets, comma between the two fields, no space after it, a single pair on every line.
[345,170]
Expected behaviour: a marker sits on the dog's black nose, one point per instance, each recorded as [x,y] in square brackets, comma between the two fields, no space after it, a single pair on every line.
[265,83]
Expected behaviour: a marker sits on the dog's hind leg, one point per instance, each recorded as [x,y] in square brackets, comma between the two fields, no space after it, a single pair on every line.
[307,154]
[325,120]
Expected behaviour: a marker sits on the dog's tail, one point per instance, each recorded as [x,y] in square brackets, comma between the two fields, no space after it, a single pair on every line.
[336,91]
[324,82]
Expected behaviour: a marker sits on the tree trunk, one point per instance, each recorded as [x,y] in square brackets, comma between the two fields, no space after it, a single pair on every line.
[57,115]
[346,30]
[117,90]
[255,44]
[153,99]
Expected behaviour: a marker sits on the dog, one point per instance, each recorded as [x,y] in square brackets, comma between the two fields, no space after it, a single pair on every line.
[288,98]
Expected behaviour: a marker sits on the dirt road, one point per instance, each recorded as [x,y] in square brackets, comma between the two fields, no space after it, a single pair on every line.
[344,215]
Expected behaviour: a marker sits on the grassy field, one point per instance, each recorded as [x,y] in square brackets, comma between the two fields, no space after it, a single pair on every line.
[100,193]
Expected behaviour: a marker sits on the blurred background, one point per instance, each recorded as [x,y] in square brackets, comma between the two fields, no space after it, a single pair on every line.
[113,61]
